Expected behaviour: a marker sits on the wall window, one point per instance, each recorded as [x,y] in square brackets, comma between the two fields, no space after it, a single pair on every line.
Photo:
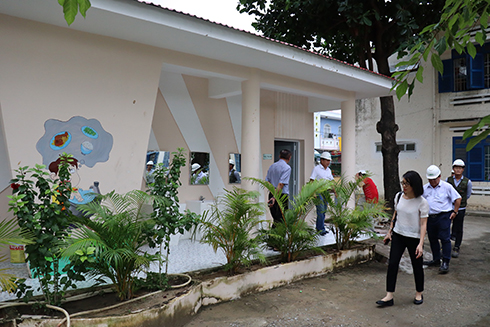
[403,146]
[327,129]
[462,72]
[477,160]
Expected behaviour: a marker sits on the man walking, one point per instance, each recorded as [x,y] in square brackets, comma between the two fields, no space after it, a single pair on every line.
[278,175]
[464,187]
[322,171]
[441,197]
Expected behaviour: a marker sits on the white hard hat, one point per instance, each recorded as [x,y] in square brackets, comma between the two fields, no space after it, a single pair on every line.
[231,162]
[195,167]
[433,172]
[326,155]
[362,172]
[458,162]
[150,163]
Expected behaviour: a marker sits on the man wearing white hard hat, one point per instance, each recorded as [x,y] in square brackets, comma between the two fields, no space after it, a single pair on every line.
[149,172]
[464,187]
[278,175]
[444,204]
[197,175]
[322,171]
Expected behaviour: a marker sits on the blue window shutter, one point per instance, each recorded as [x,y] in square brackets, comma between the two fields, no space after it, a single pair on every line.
[446,80]
[475,72]
[475,163]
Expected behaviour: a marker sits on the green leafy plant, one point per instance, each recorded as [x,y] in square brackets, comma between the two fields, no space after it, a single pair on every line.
[41,207]
[349,223]
[231,225]
[11,234]
[110,242]
[293,235]
[167,220]
[71,8]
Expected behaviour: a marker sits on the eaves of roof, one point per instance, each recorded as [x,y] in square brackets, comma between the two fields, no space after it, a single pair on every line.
[153,25]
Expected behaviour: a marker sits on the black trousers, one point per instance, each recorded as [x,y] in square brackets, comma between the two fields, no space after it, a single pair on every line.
[398,245]
[276,211]
[457,229]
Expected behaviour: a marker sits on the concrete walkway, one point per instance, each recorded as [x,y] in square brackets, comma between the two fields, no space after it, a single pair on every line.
[347,297]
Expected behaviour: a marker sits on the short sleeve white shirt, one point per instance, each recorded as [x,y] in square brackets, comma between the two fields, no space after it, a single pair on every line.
[441,197]
[319,172]
[409,212]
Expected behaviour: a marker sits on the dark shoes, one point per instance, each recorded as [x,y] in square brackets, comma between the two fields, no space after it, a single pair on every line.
[382,303]
[417,302]
[455,253]
[432,263]
[444,269]
[323,232]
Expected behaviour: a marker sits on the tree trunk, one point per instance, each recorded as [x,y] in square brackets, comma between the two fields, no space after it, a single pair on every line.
[388,128]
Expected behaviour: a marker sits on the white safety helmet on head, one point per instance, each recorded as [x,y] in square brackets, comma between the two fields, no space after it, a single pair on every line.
[150,163]
[326,155]
[195,167]
[458,162]
[433,172]
[231,162]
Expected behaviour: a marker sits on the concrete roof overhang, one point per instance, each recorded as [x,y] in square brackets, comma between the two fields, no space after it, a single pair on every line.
[151,25]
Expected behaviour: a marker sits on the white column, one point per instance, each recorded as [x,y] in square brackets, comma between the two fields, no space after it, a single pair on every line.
[348,121]
[251,154]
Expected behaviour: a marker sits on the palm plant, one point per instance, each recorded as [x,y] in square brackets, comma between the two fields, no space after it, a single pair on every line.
[231,225]
[348,223]
[293,235]
[110,242]
[11,234]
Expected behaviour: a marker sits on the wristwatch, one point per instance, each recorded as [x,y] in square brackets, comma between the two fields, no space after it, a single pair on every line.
[455,212]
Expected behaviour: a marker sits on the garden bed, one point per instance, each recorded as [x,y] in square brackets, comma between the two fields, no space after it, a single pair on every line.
[175,307]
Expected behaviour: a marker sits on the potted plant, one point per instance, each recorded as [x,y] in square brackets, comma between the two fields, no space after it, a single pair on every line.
[293,235]
[40,204]
[231,225]
[348,223]
[110,243]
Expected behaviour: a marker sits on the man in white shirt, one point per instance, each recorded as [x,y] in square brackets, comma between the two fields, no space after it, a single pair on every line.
[441,197]
[322,171]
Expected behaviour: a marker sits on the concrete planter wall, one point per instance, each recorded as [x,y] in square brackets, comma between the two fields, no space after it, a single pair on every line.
[180,310]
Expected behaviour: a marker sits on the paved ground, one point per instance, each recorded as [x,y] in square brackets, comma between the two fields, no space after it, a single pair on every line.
[347,297]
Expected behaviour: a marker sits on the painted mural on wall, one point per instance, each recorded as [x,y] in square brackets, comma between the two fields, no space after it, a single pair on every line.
[85,139]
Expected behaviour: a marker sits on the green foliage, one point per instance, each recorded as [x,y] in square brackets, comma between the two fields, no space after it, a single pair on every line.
[11,234]
[153,282]
[350,223]
[71,8]
[32,203]
[166,217]
[110,242]
[458,18]
[353,31]
[293,235]
[231,225]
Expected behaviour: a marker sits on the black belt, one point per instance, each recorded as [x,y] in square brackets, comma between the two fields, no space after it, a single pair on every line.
[438,214]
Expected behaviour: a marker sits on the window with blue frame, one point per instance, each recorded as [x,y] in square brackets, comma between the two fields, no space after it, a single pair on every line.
[463,73]
[477,160]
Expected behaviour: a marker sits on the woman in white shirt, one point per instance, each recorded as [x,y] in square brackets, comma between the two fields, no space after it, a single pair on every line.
[407,231]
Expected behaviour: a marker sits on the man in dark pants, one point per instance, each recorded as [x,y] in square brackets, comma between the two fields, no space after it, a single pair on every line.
[278,175]
[441,197]
[464,187]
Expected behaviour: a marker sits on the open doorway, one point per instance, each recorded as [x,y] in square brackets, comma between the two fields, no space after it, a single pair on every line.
[293,147]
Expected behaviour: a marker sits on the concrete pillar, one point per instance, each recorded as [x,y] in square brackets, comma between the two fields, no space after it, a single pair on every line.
[251,153]
[348,121]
